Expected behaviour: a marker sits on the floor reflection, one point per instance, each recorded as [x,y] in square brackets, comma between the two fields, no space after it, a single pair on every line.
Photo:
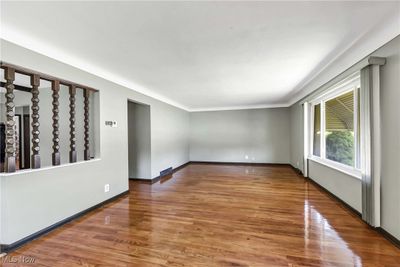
[330,244]
[216,215]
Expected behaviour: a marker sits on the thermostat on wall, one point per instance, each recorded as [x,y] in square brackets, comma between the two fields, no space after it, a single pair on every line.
[111,123]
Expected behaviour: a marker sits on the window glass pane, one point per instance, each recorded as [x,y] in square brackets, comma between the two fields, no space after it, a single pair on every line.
[317,131]
[339,129]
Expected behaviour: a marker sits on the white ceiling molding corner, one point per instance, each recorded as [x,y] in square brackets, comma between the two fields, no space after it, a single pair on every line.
[283,105]
[361,48]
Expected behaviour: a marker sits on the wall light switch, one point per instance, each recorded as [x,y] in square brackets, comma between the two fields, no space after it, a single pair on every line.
[106,188]
[113,124]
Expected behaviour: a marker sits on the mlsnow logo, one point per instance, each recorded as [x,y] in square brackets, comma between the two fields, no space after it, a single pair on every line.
[22,259]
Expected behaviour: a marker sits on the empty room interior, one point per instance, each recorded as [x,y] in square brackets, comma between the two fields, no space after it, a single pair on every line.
[200,133]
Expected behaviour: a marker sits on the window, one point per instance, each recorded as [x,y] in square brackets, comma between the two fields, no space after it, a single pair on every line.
[339,129]
[336,126]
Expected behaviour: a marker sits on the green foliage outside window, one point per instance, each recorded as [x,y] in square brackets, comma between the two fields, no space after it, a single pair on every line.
[340,147]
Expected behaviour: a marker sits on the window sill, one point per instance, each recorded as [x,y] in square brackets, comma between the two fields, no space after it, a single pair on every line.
[66,165]
[337,166]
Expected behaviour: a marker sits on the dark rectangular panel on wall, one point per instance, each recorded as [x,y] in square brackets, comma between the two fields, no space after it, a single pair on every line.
[2,145]
[27,137]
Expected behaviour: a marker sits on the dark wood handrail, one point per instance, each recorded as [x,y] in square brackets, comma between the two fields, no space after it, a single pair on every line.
[29,72]
[18,87]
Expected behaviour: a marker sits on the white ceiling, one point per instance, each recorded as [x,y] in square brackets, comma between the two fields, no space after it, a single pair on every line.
[197,55]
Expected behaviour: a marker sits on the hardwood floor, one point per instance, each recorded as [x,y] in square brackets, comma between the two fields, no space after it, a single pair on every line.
[217,215]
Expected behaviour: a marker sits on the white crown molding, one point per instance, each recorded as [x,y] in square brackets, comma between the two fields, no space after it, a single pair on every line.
[13,36]
[281,105]
[355,52]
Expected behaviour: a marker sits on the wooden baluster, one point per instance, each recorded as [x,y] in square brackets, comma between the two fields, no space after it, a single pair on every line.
[55,87]
[9,75]
[72,138]
[86,95]
[35,160]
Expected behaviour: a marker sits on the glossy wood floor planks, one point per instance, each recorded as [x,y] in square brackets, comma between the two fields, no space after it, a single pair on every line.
[217,215]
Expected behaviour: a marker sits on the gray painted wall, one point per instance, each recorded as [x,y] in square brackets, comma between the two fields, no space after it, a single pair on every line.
[52,194]
[139,141]
[296,136]
[390,125]
[344,186]
[228,136]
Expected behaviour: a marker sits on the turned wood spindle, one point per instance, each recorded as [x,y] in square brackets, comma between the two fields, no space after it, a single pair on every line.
[55,87]
[72,137]
[35,160]
[9,75]
[86,95]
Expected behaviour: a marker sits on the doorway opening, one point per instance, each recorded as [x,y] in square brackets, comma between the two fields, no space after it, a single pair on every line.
[22,134]
[139,142]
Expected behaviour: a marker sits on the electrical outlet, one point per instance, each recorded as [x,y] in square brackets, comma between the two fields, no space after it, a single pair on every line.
[106,188]
[246,156]
[107,220]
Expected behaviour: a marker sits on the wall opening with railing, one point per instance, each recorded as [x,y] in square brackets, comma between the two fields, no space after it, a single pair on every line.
[44,120]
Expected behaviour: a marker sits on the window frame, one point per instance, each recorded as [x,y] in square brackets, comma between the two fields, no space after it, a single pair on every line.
[351,84]
[312,118]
